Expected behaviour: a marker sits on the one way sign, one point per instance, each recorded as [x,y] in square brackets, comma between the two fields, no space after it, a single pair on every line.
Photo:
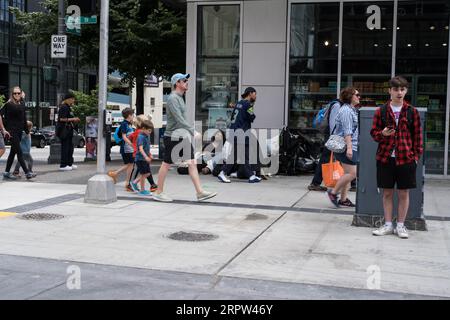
[59,46]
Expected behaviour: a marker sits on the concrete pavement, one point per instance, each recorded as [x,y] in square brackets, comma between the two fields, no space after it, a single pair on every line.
[269,240]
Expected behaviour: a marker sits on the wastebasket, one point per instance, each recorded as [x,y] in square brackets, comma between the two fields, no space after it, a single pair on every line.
[369,199]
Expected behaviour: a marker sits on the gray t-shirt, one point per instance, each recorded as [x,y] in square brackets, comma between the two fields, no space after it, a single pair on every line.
[176,117]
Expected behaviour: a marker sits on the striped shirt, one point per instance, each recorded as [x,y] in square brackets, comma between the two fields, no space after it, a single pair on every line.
[347,124]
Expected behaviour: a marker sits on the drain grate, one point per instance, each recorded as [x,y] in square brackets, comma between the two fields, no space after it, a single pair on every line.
[256,216]
[192,236]
[40,216]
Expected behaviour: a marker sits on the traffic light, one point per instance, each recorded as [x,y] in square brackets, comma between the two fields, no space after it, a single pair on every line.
[87,7]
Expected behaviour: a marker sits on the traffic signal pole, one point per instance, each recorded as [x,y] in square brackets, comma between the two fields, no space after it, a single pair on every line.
[100,188]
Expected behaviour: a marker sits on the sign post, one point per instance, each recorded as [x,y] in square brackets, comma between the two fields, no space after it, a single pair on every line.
[59,46]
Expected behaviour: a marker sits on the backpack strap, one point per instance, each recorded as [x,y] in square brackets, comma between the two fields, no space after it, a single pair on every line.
[409,117]
[329,112]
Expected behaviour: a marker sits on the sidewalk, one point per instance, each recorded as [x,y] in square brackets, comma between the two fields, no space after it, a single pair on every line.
[271,232]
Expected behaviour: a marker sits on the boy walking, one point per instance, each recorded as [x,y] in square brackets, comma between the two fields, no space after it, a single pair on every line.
[25,145]
[143,156]
[126,148]
[397,129]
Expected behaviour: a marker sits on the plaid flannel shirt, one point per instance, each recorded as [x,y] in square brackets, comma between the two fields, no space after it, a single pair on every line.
[407,148]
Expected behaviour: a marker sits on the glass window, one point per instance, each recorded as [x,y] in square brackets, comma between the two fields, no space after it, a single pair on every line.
[217,62]
[313,60]
[367,49]
[14,76]
[422,56]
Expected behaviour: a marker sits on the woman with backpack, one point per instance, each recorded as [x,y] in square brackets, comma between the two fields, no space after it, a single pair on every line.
[346,127]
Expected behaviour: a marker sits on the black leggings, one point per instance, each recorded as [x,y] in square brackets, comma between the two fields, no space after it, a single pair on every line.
[136,173]
[16,136]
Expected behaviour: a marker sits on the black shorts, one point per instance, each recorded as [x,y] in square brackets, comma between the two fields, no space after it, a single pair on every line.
[183,150]
[127,158]
[389,175]
[143,167]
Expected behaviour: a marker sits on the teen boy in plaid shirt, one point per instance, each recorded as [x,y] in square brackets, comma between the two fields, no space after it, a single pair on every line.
[396,127]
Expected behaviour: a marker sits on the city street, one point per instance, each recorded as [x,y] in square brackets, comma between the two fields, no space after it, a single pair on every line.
[272,240]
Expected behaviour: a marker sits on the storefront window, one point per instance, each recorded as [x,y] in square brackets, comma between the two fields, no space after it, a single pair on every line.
[217,63]
[367,49]
[313,60]
[422,56]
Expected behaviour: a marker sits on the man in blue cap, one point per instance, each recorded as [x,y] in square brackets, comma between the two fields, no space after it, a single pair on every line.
[177,140]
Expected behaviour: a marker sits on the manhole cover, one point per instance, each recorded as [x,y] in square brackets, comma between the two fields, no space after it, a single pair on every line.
[40,216]
[192,236]
[256,216]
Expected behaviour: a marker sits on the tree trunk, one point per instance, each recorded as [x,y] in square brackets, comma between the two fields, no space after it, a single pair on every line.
[139,95]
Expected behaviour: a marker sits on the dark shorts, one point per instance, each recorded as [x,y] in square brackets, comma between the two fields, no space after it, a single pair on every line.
[342,158]
[389,175]
[127,158]
[183,150]
[2,141]
[143,167]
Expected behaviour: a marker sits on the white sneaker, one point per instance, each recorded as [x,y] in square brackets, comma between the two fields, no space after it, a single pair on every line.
[401,232]
[254,179]
[384,230]
[74,167]
[66,168]
[223,178]
[233,175]
[162,197]
[205,195]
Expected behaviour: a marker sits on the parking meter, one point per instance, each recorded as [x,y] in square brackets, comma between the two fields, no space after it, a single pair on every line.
[108,123]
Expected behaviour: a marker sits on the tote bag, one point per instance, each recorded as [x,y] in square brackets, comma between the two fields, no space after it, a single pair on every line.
[332,172]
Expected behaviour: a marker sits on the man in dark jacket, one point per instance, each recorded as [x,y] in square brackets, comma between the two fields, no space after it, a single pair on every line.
[241,122]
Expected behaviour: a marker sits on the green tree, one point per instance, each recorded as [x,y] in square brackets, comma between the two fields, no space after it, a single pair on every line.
[145,37]
[85,105]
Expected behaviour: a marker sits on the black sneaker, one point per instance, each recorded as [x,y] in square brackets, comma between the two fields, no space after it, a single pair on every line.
[346,203]
[333,198]
[316,187]
[29,175]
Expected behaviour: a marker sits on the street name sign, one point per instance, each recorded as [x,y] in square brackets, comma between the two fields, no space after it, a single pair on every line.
[59,46]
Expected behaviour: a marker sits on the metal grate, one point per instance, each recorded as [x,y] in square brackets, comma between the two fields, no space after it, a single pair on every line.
[192,236]
[40,216]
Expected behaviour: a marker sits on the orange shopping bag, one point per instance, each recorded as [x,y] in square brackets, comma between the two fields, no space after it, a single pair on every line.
[332,172]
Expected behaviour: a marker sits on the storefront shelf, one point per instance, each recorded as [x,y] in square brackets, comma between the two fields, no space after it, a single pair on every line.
[314,93]
[309,111]
[433,93]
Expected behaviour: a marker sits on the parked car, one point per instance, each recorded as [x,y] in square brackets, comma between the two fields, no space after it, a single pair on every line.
[79,140]
[38,139]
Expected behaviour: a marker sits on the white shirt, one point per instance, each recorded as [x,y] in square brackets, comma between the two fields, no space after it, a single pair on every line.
[396,110]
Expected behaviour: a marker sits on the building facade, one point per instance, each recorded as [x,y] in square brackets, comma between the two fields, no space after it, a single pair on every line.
[31,67]
[298,54]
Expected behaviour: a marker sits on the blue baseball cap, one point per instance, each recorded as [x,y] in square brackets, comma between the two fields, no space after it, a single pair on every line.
[179,76]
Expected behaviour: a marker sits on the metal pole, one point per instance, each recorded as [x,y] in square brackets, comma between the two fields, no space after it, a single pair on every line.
[61,62]
[103,80]
[100,188]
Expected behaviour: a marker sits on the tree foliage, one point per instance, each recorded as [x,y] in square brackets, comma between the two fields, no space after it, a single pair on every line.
[145,37]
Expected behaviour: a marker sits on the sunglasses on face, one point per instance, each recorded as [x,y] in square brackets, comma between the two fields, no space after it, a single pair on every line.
[17,93]
[357,95]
